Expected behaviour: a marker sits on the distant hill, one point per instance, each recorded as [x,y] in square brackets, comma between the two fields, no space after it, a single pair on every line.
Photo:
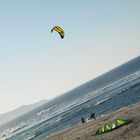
[6,117]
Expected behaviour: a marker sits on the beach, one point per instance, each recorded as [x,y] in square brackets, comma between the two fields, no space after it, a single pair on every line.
[87,130]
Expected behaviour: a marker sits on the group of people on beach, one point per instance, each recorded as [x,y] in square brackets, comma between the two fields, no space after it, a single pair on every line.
[92,116]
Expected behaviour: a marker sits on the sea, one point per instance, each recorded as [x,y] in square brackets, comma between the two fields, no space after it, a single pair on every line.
[108,93]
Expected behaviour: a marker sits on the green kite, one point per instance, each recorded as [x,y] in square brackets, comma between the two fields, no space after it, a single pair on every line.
[107,128]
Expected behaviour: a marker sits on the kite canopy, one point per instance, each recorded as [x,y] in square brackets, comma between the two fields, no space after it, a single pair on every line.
[59,30]
[107,128]
[120,122]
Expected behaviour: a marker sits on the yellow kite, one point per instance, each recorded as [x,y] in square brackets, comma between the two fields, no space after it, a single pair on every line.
[59,30]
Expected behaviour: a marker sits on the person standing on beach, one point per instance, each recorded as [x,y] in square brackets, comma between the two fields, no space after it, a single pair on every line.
[83,121]
[92,116]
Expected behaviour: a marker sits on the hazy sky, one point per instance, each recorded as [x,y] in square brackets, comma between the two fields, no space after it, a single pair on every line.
[37,65]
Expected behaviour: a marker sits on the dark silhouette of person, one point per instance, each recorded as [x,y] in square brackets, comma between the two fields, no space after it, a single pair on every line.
[92,116]
[83,121]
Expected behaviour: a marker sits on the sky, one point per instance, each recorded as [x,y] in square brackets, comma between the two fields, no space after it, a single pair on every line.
[36,65]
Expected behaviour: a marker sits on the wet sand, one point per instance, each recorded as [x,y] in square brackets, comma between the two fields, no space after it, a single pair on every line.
[87,130]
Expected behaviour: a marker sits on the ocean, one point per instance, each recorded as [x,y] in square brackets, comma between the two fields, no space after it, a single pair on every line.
[67,110]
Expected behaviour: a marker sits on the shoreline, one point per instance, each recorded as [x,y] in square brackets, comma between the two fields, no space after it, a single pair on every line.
[87,130]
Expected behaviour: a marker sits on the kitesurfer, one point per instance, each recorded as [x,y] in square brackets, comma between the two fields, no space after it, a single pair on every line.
[83,121]
[92,116]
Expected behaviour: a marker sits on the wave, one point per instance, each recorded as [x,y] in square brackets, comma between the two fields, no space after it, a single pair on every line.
[31,137]
[43,112]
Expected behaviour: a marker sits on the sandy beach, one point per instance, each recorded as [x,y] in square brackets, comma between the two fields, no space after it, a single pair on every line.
[87,130]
